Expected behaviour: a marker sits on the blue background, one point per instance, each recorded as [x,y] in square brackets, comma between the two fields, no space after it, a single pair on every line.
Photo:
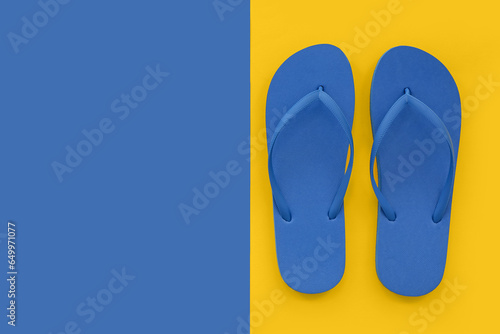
[119,208]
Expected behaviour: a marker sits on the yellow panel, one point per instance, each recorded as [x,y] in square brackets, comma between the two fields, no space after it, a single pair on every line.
[465,36]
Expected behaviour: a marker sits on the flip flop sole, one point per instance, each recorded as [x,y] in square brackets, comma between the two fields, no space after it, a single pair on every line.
[413,164]
[309,161]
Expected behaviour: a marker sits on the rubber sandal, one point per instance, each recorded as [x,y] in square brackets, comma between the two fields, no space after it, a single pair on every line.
[308,146]
[416,121]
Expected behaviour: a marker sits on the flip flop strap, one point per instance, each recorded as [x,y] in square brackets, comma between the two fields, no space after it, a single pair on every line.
[409,100]
[302,104]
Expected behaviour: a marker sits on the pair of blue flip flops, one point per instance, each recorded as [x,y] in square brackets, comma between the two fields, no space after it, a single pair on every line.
[416,120]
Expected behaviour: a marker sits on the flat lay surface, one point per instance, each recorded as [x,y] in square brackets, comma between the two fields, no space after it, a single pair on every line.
[463,36]
[113,130]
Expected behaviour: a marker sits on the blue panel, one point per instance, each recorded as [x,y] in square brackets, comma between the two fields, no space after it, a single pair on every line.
[119,129]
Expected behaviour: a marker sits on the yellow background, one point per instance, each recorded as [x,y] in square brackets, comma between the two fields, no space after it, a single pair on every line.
[465,36]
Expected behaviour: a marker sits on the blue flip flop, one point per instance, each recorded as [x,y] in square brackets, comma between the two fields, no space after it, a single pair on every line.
[416,121]
[310,109]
